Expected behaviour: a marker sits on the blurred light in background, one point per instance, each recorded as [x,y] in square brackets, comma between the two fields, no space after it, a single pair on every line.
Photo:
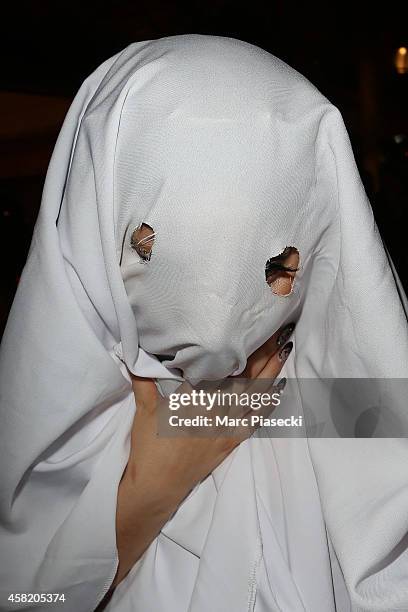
[401,60]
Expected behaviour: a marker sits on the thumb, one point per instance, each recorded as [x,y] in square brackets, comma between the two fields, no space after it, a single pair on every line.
[145,391]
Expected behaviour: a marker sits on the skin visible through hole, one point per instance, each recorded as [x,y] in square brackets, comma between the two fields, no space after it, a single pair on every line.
[280,271]
[142,241]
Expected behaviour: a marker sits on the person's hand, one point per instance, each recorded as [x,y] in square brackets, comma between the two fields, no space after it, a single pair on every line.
[161,471]
[169,467]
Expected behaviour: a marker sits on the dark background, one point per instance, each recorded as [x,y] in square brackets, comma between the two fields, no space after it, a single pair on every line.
[348,52]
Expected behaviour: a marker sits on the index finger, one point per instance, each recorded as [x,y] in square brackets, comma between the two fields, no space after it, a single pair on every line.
[258,360]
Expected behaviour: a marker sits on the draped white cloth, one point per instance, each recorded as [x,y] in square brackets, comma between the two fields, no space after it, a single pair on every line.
[230,155]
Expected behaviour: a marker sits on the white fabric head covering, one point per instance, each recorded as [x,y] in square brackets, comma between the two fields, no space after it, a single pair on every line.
[208,172]
[230,155]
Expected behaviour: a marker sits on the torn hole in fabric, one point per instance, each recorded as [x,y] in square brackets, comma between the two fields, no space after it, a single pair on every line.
[142,240]
[280,271]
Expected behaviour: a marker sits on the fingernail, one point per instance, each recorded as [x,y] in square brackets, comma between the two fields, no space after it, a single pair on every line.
[285,351]
[281,384]
[285,333]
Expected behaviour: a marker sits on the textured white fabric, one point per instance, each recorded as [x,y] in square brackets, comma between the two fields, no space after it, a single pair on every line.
[230,155]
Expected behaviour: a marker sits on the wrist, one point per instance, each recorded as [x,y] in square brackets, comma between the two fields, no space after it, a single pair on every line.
[155,498]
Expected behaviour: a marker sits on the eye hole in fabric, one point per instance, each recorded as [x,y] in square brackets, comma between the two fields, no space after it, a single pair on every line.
[280,271]
[142,241]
